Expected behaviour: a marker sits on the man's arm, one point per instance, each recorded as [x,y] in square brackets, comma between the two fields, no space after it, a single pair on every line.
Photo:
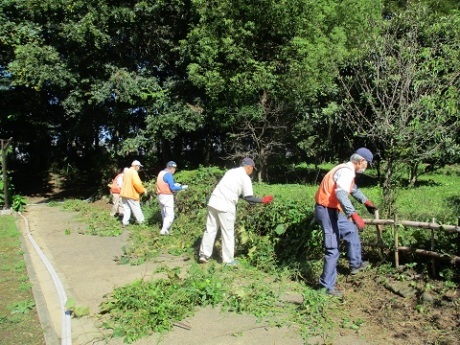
[252,199]
[169,179]
[345,202]
[137,184]
[358,195]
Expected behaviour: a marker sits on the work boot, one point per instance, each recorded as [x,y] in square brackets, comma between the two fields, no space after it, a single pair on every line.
[334,292]
[355,271]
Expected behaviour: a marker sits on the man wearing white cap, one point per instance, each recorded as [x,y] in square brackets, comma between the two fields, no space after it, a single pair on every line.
[339,219]
[235,184]
[165,189]
[130,194]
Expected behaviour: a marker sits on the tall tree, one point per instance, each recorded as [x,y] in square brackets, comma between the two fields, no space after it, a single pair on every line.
[403,95]
[326,35]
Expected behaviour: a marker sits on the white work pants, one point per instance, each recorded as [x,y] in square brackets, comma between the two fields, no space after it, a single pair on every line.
[117,206]
[225,221]
[134,206]
[167,211]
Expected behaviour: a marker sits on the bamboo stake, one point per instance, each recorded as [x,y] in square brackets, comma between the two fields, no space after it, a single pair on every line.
[446,257]
[458,236]
[414,224]
[396,244]
[379,235]
[433,261]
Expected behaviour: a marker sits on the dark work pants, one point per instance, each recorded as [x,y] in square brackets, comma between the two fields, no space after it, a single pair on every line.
[336,227]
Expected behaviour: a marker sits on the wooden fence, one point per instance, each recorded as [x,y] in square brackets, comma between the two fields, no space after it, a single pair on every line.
[433,226]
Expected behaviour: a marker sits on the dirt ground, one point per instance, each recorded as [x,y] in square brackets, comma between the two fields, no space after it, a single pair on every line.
[87,269]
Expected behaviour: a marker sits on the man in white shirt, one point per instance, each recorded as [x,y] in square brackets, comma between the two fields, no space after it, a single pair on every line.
[234,184]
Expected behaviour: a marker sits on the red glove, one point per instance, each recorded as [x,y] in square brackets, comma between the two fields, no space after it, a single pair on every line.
[267,199]
[370,206]
[358,221]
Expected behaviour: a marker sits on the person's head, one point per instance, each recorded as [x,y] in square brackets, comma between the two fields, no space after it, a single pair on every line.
[171,166]
[361,159]
[248,165]
[136,164]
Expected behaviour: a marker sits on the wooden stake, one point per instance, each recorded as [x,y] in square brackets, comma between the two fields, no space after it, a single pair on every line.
[379,235]
[433,261]
[396,244]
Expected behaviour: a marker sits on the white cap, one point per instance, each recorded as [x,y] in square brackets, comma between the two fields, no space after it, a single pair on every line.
[136,162]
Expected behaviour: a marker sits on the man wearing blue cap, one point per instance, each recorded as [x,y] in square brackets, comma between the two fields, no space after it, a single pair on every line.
[339,219]
[165,189]
[235,184]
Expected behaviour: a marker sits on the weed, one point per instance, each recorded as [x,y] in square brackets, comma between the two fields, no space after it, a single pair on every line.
[313,313]
[19,203]
[23,278]
[23,307]
[352,324]
[20,266]
[76,310]
[24,287]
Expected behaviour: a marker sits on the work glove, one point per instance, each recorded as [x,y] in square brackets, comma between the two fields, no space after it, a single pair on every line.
[358,221]
[370,206]
[267,199]
[184,187]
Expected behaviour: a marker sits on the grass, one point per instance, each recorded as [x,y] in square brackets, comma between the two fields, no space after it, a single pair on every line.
[19,323]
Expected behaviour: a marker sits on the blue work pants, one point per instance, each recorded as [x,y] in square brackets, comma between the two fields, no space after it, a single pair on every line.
[336,227]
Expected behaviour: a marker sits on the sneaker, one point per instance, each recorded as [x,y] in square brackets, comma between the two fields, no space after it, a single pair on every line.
[232,263]
[124,226]
[164,232]
[334,292]
[202,259]
[356,270]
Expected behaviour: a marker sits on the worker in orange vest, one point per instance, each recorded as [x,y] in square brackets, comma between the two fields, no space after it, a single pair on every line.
[339,219]
[165,189]
[115,188]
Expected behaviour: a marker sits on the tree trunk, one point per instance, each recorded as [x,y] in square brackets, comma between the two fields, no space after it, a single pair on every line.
[5,144]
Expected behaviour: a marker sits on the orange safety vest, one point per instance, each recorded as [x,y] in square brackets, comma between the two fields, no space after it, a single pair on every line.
[116,188]
[325,194]
[161,186]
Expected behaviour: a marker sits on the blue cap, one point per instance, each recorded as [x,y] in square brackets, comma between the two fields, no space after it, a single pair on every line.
[171,164]
[366,154]
[248,161]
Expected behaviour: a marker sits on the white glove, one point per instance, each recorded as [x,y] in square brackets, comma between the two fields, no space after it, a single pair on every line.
[184,187]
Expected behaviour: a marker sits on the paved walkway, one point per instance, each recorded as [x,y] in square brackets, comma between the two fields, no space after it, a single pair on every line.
[86,268]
